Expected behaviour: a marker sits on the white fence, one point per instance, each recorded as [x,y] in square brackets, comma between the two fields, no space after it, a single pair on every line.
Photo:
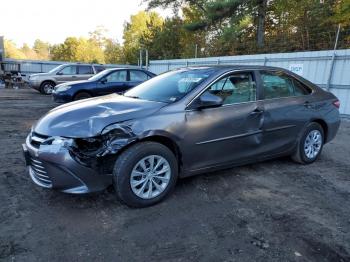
[328,69]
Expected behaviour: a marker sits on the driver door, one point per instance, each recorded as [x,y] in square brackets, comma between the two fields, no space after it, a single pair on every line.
[229,133]
[115,82]
[67,74]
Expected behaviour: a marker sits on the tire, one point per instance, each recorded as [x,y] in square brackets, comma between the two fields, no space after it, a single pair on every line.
[47,87]
[304,156]
[81,95]
[130,160]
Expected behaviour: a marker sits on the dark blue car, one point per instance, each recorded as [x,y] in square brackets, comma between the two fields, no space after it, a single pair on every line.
[116,80]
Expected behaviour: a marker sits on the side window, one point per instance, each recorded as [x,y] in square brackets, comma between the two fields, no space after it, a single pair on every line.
[235,88]
[69,70]
[99,69]
[300,89]
[85,70]
[277,84]
[138,76]
[117,76]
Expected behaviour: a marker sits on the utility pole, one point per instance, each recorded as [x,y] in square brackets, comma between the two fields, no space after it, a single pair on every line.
[146,59]
[333,59]
[141,58]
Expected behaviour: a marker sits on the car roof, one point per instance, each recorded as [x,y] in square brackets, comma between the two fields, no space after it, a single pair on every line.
[236,67]
[124,68]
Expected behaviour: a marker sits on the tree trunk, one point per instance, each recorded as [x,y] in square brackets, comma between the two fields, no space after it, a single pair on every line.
[262,6]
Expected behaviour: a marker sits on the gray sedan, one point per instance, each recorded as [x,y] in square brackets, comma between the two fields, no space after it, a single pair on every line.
[179,124]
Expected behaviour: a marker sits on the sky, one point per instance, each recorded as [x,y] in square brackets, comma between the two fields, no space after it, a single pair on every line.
[23,21]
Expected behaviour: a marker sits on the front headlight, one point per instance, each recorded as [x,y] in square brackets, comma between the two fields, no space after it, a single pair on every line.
[62,88]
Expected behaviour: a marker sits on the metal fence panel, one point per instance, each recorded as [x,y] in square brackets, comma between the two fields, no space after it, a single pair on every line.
[35,66]
[316,67]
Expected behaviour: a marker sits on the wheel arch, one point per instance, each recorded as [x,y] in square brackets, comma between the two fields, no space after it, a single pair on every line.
[82,91]
[46,81]
[161,139]
[324,126]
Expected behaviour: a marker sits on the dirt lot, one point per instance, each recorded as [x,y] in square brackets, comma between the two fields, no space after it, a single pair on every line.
[271,211]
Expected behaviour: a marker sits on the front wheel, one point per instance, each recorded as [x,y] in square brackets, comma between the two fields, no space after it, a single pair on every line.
[81,95]
[310,144]
[47,87]
[145,174]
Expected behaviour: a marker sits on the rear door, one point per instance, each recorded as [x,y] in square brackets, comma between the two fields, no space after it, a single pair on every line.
[85,72]
[230,133]
[66,74]
[115,82]
[286,110]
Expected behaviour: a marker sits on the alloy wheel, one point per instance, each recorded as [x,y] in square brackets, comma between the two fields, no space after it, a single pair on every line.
[48,88]
[313,144]
[150,176]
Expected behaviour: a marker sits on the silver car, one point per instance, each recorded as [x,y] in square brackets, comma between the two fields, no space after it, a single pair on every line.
[45,82]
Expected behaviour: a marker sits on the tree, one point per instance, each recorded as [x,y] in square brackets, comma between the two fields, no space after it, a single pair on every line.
[42,49]
[342,12]
[113,52]
[78,49]
[137,32]
[11,51]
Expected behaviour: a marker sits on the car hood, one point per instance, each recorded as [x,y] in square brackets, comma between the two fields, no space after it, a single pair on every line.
[74,83]
[39,74]
[87,118]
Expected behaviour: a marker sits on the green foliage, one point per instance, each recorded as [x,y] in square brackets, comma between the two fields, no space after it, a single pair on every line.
[138,32]
[11,51]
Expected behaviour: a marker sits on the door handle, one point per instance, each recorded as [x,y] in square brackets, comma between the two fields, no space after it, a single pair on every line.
[257,111]
[307,104]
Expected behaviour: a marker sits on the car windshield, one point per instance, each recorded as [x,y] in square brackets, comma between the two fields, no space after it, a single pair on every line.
[170,87]
[100,75]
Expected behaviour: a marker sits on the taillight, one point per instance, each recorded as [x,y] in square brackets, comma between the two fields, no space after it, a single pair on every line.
[336,104]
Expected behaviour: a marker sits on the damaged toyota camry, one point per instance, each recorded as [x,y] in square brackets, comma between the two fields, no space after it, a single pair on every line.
[181,123]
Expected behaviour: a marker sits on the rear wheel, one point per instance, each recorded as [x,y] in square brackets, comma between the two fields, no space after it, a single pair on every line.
[145,174]
[81,95]
[310,144]
[47,87]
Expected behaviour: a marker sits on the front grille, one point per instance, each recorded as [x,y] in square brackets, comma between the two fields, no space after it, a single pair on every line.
[39,173]
[36,139]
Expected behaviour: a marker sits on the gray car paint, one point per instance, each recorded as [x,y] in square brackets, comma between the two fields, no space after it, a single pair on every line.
[206,139]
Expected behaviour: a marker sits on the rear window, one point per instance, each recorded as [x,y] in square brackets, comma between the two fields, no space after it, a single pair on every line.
[85,70]
[277,84]
[136,75]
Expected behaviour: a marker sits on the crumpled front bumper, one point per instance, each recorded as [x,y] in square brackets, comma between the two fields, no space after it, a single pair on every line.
[52,166]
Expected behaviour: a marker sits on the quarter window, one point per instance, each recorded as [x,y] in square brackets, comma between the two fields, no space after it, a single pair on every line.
[278,84]
[138,76]
[300,89]
[69,70]
[235,88]
[99,69]
[117,76]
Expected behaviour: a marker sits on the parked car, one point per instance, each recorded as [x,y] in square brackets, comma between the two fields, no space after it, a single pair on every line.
[45,82]
[109,81]
[179,124]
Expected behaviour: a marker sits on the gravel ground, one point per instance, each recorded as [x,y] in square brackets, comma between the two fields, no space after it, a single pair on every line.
[270,211]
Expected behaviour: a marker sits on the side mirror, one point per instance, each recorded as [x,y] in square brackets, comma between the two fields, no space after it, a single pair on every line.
[103,81]
[208,100]
[59,73]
